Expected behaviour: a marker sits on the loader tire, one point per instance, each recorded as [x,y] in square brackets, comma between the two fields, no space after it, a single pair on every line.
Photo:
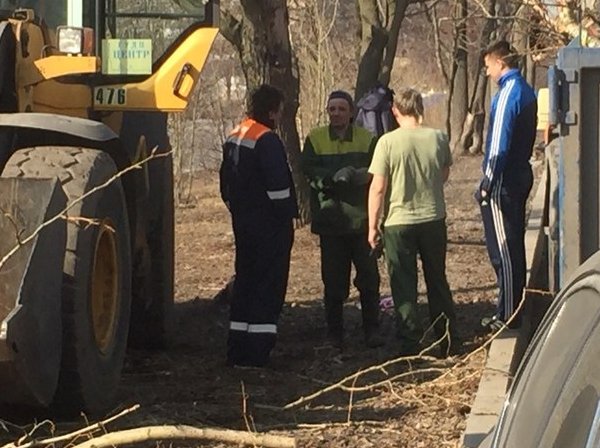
[96,292]
[152,321]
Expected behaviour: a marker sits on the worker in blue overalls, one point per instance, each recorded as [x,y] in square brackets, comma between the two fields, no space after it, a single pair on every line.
[257,187]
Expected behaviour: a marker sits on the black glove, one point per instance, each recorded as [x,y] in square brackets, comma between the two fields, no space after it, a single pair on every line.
[327,182]
[377,251]
[344,175]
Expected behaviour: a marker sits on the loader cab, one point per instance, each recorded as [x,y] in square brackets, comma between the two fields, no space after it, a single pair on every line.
[122,54]
[111,29]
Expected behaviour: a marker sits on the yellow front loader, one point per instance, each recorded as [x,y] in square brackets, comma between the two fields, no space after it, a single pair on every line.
[86,253]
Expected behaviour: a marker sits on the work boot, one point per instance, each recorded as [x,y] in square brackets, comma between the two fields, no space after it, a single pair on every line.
[374,338]
[336,339]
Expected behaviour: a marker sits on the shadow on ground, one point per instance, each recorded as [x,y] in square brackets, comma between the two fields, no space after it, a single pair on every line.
[189,383]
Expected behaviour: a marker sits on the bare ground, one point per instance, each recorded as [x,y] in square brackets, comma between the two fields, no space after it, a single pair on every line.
[425,406]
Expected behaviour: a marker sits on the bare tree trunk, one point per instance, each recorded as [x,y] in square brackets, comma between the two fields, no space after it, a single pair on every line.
[373,41]
[387,64]
[262,40]
[380,27]
[504,27]
[458,98]
[521,31]
[471,139]
[283,73]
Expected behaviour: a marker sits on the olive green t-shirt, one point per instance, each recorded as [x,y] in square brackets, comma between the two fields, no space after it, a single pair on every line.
[412,160]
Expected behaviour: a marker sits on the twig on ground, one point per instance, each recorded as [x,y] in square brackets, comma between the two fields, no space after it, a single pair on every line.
[248,420]
[350,399]
[35,428]
[485,345]
[380,367]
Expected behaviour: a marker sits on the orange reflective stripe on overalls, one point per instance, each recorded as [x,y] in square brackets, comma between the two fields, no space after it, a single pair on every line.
[247,133]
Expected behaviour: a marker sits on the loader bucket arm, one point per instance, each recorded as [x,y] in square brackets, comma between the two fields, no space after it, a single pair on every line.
[169,88]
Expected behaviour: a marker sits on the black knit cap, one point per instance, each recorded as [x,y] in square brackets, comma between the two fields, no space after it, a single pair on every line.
[341,94]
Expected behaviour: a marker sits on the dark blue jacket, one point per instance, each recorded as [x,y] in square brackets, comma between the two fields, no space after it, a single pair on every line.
[511,132]
[256,182]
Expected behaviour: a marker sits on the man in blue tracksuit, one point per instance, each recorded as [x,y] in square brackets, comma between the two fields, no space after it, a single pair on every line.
[507,177]
[257,187]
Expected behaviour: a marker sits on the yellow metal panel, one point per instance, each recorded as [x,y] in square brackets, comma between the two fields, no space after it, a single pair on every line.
[55,66]
[61,98]
[159,92]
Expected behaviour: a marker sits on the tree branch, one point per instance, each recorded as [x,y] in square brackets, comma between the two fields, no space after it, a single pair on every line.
[181,432]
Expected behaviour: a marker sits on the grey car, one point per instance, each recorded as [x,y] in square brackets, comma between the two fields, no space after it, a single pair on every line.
[554,401]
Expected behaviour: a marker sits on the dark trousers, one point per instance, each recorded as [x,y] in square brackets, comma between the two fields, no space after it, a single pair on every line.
[338,253]
[402,243]
[504,225]
[262,262]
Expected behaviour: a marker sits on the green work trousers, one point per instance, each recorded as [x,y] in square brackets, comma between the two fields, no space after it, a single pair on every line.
[402,243]
[338,252]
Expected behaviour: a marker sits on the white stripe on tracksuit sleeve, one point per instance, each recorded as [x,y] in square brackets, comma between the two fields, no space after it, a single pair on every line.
[504,117]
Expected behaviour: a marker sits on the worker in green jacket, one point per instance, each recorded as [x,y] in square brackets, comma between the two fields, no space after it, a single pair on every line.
[335,160]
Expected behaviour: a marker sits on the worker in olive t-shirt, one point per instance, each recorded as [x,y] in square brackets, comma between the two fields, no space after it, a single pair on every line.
[413,162]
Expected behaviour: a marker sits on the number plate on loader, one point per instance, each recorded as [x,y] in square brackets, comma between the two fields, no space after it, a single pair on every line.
[110,96]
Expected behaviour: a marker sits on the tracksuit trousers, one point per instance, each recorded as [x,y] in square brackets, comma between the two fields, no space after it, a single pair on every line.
[504,225]
[262,261]
[338,253]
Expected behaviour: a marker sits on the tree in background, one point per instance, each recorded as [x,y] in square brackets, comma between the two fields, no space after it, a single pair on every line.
[380,23]
[536,28]
[259,31]
[323,32]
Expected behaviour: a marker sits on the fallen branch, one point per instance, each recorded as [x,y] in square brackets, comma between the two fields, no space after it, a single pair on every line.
[87,430]
[181,432]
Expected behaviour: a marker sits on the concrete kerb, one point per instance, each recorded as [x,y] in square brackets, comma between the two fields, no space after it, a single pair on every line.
[507,349]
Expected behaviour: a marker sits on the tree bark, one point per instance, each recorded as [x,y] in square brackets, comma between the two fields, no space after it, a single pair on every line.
[261,38]
[283,73]
[458,98]
[399,13]
[379,40]
[471,139]
[521,30]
